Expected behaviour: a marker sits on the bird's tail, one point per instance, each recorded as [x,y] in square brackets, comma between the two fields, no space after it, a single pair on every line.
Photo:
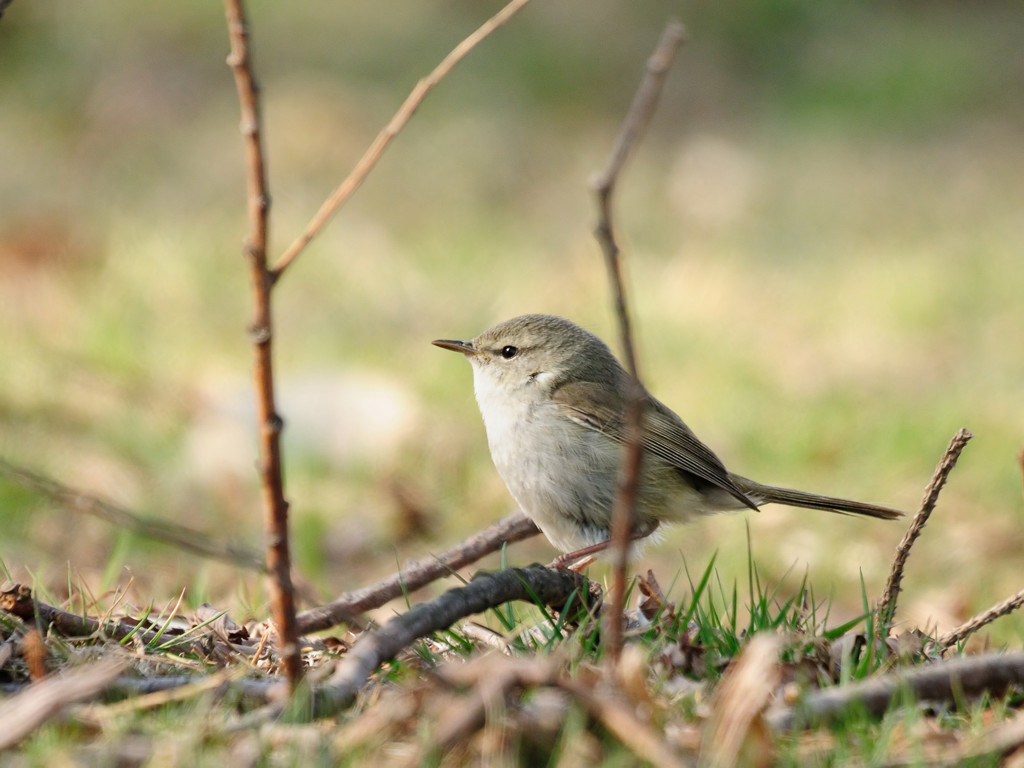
[769,494]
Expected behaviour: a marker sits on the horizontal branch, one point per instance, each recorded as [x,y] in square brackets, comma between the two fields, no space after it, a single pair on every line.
[205,642]
[415,575]
[534,583]
[945,680]
[26,710]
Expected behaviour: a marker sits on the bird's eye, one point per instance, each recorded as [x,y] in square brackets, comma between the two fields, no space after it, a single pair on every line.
[509,352]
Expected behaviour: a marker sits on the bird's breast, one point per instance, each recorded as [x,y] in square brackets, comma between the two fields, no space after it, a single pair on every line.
[559,472]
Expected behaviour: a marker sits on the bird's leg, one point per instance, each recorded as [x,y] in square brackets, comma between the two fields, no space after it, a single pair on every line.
[581,558]
[585,556]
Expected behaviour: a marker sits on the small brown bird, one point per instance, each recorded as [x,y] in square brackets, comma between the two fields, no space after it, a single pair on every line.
[553,399]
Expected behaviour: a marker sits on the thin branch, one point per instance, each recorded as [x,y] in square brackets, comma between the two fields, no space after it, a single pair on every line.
[275,507]
[219,682]
[534,583]
[998,741]
[645,741]
[373,153]
[25,711]
[247,692]
[207,641]
[489,680]
[415,575]
[887,605]
[945,680]
[968,628]
[640,112]
[179,536]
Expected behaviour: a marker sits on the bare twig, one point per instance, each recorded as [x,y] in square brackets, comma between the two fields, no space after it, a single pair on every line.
[248,692]
[219,681]
[23,712]
[998,741]
[17,600]
[640,112]
[179,536]
[489,680]
[534,583]
[944,680]
[620,718]
[384,138]
[968,628]
[887,605]
[275,507]
[415,575]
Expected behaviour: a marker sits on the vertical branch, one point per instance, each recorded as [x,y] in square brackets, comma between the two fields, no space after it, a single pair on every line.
[275,507]
[887,604]
[640,112]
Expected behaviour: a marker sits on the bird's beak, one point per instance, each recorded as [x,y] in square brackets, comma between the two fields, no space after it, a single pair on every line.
[465,347]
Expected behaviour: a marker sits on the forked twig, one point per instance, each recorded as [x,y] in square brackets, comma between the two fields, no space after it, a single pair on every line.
[639,116]
[887,605]
[275,506]
[968,628]
[373,153]
[414,575]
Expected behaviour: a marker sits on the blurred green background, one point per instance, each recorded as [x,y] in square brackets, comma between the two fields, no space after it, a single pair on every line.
[823,236]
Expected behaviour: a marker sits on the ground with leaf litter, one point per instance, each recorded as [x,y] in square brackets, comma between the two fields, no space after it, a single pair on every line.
[511,668]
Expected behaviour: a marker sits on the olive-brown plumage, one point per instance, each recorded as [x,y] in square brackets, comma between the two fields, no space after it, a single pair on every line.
[553,399]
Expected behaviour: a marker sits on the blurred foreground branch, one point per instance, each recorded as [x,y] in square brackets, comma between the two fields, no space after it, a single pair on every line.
[25,711]
[637,119]
[946,680]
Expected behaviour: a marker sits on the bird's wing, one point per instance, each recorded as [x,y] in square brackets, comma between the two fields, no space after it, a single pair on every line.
[664,434]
